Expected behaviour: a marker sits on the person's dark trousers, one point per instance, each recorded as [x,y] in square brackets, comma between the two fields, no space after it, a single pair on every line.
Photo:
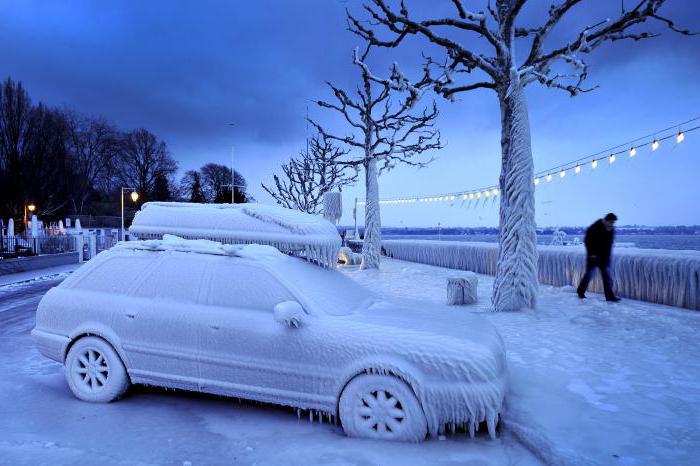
[593,263]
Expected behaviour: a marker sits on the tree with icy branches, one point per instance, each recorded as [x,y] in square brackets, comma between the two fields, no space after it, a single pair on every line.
[310,175]
[462,36]
[385,130]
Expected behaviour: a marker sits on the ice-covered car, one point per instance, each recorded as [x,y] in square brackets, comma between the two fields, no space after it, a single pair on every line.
[251,322]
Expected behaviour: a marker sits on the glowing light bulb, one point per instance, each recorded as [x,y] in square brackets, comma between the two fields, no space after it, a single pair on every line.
[594,164]
[611,159]
[537,181]
[577,169]
[633,151]
[471,195]
[487,193]
[464,197]
[478,195]
[452,198]
[680,137]
[549,178]
[655,145]
[562,174]
[494,192]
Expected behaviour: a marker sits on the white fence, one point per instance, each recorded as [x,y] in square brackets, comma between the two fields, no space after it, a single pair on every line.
[658,276]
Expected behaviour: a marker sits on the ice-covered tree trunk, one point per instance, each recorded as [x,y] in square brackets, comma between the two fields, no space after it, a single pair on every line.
[372,245]
[515,285]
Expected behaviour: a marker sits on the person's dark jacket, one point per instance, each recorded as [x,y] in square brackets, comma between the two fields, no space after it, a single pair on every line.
[599,241]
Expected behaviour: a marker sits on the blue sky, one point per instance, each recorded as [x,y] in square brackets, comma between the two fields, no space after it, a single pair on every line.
[186,69]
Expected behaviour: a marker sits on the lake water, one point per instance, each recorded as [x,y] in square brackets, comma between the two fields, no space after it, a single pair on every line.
[691,242]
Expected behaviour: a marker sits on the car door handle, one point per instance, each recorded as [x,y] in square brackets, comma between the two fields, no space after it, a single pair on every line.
[130,315]
[214,327]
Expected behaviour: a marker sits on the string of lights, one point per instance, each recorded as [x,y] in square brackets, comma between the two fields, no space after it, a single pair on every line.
[651,141]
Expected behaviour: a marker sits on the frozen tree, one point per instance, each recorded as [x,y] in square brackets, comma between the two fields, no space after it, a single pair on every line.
[310,175]
[386,130]
[480,53]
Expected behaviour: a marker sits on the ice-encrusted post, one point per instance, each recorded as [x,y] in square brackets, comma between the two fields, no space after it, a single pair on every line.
[372,244]
[79,240]
[11,242]
[333,206]
[35,235]
[515,285]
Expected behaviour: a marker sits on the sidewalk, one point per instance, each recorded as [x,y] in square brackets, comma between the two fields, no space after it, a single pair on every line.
[38,274]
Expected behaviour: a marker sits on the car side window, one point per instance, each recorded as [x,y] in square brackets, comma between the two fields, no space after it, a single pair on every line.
[239,285]
[174,278]
[116,274]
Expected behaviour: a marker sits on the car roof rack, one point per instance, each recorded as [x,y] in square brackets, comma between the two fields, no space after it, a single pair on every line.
[203,246]
[290,231]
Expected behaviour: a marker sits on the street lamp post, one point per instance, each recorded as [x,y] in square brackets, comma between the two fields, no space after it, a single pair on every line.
[31,208]
[134,198]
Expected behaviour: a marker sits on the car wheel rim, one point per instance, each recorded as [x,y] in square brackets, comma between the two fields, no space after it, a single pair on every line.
[91,370]
[380,413]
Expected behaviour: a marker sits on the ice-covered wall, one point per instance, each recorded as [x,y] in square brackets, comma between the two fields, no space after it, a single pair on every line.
[658,276]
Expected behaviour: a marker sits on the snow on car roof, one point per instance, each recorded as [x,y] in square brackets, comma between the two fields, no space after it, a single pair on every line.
[288,230]
[203,246]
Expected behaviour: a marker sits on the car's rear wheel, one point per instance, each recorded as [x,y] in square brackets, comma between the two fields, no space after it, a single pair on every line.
[381,407]
[95,371]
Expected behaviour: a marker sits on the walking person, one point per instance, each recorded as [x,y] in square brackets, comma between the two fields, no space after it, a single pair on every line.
[599,240]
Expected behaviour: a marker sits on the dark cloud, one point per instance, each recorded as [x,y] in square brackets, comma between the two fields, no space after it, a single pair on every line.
[185,69]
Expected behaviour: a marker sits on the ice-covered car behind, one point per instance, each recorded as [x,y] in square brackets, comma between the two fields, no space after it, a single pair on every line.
[248,321]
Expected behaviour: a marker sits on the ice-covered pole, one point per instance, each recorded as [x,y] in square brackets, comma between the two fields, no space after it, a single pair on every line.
[35,226]
[332,207]
[10,233]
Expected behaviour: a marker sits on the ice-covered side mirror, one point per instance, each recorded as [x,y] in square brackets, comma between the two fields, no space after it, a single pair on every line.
[290,313]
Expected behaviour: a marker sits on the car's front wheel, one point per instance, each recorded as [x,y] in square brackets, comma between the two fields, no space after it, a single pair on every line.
[381,407]
[94,371]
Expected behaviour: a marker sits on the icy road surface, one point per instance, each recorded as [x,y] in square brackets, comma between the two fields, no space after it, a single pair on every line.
[41,421]
[591,382]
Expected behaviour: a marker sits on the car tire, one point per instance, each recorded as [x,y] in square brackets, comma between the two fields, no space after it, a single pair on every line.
[95,371]
[381,407]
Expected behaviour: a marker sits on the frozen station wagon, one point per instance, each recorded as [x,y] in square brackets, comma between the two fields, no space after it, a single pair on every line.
[248,321]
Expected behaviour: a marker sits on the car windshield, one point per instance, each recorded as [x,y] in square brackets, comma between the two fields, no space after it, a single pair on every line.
[328,291]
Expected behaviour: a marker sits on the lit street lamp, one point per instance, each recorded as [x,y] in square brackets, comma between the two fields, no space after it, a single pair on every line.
[134,197]
[28,207]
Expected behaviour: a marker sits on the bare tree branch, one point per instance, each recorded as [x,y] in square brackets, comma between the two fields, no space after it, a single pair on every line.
[537,66]
[307,177]
[386,129]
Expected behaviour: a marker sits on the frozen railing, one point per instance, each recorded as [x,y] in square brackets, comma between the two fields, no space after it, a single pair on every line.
[21,245]
[658,276]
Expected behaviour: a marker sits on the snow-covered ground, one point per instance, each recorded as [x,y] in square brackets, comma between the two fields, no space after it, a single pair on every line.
[49,273]
[591,383]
